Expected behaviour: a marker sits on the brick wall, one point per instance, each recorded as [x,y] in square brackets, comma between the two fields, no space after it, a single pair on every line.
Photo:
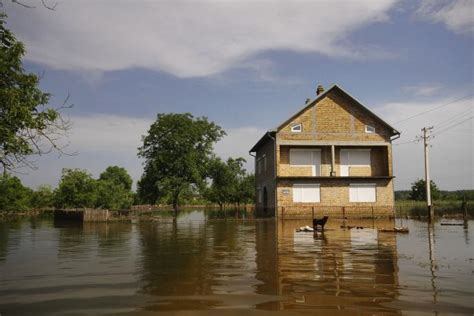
[334,195]
[335,117]
[265,179]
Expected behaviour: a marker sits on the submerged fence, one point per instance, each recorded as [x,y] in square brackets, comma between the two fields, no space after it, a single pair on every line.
[317,211]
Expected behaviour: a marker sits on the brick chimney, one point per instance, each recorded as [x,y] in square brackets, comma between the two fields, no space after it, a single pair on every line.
[319,90]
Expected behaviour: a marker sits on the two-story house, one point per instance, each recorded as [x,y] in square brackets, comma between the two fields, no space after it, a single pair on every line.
[332,157]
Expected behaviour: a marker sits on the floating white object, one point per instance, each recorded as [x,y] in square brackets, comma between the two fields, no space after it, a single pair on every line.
[305,229]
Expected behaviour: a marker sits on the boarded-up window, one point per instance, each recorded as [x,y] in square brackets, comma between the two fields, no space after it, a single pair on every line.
[362,192]
[306,193]
[306,158]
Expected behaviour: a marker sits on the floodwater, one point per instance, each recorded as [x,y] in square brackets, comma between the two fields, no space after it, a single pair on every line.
[197,264]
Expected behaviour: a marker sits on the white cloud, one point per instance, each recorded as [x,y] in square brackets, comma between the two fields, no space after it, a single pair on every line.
[107,133]
[452,150]
[189,38]
[238,142]
[423,90]
[457,15]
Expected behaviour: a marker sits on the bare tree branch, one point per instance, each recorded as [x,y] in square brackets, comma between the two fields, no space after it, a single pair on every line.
[28,6]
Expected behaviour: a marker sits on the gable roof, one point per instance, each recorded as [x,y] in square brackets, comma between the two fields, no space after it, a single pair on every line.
[313,102]
[322,95]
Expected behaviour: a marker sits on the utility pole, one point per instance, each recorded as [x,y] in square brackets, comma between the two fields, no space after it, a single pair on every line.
[426,137]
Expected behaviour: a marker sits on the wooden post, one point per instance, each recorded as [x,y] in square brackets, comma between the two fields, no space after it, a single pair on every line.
[372,212]
[344,212]
[464,208]
[312,212]
[333,161]
[282,212]
[426,146]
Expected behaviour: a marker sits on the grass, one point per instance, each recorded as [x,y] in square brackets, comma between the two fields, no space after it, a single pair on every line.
[442,208]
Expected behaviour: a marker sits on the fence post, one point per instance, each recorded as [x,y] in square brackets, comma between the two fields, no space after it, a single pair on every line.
[312,213]
[464,207]
[344,212]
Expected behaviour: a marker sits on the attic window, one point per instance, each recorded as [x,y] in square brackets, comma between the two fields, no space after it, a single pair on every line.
[369,129]
[297,128]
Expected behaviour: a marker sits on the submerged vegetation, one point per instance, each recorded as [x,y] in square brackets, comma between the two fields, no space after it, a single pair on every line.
[412,208]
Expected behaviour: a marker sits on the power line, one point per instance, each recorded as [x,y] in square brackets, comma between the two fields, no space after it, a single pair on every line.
[434,109]
[404,143]
[453,118]
[436,133]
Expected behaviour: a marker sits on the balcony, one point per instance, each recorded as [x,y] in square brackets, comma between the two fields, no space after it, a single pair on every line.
[334,161]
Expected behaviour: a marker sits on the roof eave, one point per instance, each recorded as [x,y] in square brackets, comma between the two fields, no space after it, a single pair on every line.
[262,140]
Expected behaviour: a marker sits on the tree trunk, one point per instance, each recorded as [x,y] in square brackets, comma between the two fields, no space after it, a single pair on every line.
[4,169]
[175,203]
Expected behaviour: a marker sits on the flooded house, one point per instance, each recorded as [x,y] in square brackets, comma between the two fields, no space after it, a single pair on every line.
[332,157]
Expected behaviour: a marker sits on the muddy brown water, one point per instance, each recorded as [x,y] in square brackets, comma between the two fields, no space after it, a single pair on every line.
[199,265]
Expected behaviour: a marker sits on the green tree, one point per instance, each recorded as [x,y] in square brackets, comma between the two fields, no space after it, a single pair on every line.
[113,196]
[114,189]
[177,151]
[222,185]
[117,175]
[76,189]
[229,182]
[27,125]
[418,190]
[13,195]
[42,198]
[246,191]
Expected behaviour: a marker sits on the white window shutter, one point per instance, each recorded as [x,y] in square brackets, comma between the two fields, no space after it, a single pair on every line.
[297,194]
[306,193]
[306,158]
[353,194]
[359,158]
[363,192]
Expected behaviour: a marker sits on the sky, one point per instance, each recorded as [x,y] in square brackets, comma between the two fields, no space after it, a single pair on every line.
[248,65]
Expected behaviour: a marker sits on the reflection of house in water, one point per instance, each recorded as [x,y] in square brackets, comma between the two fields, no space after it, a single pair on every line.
[347,269]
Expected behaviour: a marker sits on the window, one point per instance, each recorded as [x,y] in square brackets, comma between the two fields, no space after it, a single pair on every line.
[298,128]
[362,192]
[354,158]
[264,163]
[306,193]
[259,195]
[369,129]
[302,157]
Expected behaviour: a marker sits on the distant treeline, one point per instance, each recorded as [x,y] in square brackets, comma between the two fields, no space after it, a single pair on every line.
[228,184]
[457,195]
[418,193]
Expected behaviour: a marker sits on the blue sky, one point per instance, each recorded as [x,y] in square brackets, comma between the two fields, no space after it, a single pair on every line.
[248,66]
